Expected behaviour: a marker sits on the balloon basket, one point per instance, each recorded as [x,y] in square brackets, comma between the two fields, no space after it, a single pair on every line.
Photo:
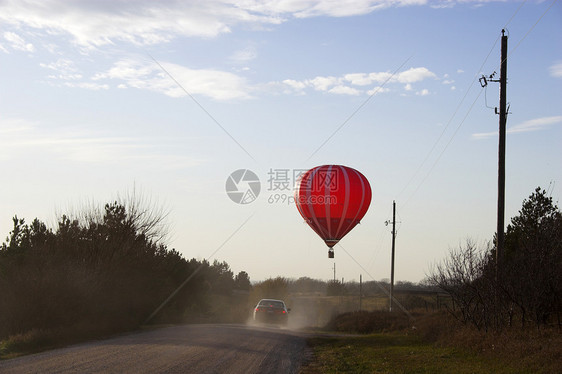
[331,253]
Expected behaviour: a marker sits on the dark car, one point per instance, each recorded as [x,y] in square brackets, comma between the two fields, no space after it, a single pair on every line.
[271,311]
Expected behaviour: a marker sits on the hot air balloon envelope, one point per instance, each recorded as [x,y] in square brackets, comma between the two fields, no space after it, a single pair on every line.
[332,199]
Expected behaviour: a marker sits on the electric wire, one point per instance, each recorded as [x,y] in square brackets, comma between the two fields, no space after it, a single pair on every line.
[464,97]
[358,109]
[531,29]
[473,81]
[444,149]
[200,106]
[378,246]
[170,297]
[515,13]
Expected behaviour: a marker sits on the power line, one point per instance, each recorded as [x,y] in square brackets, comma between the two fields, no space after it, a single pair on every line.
[531,29]
[515,13]
[358,108]
[449,121]
[171,296]
[200,105]
[462,101]
[445,148]
[378,246]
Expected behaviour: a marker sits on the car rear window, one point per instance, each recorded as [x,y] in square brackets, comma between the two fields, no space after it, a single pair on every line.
[275,304]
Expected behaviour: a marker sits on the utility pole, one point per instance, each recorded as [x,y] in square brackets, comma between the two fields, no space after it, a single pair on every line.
[501,153]
[392,259]
[360,291]
[334,271]
[503,111]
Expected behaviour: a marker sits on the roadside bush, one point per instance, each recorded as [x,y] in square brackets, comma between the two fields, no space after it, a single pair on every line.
[364,322]
[535,350]
[436,326]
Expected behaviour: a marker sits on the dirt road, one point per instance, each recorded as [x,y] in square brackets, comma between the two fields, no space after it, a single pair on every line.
[179,349]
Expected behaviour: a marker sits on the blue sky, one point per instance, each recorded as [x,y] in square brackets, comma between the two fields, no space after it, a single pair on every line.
[100,98]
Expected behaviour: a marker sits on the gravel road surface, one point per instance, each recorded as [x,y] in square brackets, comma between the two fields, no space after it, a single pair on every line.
[180,349]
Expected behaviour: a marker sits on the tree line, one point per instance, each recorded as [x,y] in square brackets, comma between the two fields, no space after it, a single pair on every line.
[409,294]
[103,271]
[522,287]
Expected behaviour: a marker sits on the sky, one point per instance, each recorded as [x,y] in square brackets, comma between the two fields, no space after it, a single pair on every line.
[165,99]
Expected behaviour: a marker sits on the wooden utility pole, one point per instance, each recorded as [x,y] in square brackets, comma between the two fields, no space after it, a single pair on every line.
[360,291]
[501,153]
[392,259]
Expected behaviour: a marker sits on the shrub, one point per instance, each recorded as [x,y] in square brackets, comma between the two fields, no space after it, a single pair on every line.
[365,322]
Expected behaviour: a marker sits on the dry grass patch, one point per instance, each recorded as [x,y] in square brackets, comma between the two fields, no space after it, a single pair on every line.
[431,343]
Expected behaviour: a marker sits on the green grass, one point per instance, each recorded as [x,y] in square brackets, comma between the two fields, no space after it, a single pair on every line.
[395,353]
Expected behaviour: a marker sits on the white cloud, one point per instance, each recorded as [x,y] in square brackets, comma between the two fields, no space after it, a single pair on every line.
[296,85]
[343,8]
[244,55]
[68,73]
[314,8]
[129,70]
[17,42]
[65,67]
[358,79]
[92,24]
[87,86]
[556,70]
[216,84]
[61,65]
[443,5]
[536,124]
[344,84]
[143,22]
[377,90]
[344,90]
[484,135]
[423,92]
[413,75]
[380,77]
[221,85]
[323,83]
[97,23]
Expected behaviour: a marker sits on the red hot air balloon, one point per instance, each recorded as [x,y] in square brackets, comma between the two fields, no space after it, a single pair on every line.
[332,199]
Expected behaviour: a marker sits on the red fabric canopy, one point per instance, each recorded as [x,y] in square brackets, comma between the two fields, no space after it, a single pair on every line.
[332,199]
